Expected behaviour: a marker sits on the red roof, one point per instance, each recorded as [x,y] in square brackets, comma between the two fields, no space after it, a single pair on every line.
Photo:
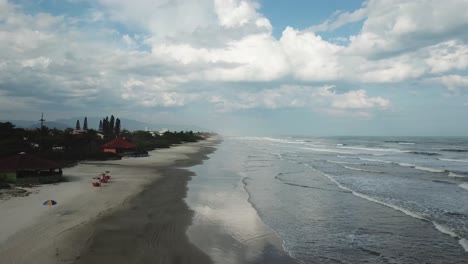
[119,143]
[25,161]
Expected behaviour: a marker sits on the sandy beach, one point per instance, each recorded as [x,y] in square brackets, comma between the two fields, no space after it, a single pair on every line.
[79,229]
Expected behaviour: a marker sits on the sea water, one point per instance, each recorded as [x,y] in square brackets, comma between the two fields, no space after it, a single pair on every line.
[337,200]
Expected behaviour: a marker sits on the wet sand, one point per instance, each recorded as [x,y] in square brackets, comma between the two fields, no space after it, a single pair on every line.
[152,228]
[138,217]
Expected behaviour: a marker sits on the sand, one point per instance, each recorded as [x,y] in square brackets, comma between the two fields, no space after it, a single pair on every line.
[79,227]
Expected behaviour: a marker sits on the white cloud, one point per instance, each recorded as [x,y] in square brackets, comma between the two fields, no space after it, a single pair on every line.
[161,18]
[129,42]
[154,92]
[310,57]
[452,82]
[356,99]
[236,13]
[255,57]
[339,19]
[395,26]
[39,62]
[171,51]
[389,70]
[322,98]
[450,55]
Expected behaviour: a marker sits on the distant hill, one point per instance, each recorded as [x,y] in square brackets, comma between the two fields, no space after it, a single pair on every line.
[93,122]
[20,123]
[132,125]
[36,124]
[51,125]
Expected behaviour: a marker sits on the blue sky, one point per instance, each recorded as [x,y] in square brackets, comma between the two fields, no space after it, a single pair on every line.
[248,67]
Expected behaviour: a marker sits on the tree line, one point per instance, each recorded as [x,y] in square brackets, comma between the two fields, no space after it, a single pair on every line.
[68,147]
[110,127]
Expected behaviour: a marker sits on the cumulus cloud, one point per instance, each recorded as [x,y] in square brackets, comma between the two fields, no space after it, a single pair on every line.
[310,57]
[323,98]
[453,82]
[235,13]
[396,26]
[168,53]
[154,92]
[340,18]
[446,56]
[160,18]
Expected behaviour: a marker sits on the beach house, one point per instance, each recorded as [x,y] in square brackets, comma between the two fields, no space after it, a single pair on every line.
[27,168]
[119,146]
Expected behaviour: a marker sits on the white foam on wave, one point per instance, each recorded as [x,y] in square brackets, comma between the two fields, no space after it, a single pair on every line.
[359,169]
[374,149]
[345,157]
[464,243]
[445,230]
[407,212]
[339,162]
[454,175]
[454,160]
[405,164]
[409,165]
[283,244]
[327,150]
[433,170]
[421,168]
[406,143]
[376,160]
[463,186]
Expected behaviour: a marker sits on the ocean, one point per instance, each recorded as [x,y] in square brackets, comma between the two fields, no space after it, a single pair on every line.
[332,200]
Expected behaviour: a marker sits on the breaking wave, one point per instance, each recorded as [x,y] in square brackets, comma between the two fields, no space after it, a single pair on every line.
[454,150]
[454,160]
[364,170]
[424,153]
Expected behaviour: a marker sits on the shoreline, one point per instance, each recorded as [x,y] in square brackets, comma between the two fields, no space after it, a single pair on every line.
[65,233]
[226,222]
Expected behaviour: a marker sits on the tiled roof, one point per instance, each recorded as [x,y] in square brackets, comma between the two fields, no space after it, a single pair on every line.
[24,161]
[119,143]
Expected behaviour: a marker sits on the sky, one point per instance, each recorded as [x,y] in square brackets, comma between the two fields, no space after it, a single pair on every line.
[241,67]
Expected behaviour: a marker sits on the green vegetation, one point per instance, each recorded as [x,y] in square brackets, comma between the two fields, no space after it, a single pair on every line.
[148,141]
[70,146]
[110,128]
[8,177]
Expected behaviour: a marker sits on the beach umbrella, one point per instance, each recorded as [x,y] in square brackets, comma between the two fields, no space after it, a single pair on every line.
[50,202]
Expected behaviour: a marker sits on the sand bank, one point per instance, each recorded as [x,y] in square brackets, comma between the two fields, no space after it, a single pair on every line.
[33,233]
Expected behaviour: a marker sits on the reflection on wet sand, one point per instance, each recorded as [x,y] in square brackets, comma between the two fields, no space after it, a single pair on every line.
[225,225]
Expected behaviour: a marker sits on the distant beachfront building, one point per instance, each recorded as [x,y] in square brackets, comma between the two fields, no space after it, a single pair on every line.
[119,146]
[26,168]
[79,132]
[162,131]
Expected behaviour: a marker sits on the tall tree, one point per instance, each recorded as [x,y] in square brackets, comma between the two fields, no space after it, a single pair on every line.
[85,123]
[77,126]
[100,125]
[112,124]
[105,125]
[117,127]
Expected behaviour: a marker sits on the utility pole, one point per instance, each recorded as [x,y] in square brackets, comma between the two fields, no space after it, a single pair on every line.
[40,134]
[42,120]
